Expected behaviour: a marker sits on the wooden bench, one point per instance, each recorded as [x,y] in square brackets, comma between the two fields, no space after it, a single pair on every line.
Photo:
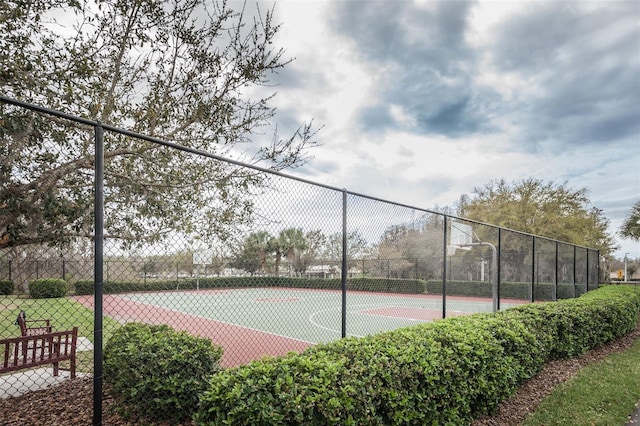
[29,330]
[25,352]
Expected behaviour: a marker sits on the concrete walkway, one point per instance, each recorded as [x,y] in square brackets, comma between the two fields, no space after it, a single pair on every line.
[21,382]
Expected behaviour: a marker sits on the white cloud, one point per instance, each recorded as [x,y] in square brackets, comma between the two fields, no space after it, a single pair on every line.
[530,89]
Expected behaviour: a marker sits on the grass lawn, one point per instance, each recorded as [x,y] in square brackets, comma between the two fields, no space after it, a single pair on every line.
[602,393]
[64,315]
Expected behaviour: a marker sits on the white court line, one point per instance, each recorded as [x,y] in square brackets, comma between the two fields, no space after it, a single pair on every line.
[352,312]
[226,322]
[312,317]
[410,319]
[313,322]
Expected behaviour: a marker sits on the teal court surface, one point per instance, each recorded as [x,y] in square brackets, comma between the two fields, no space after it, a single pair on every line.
[250,323]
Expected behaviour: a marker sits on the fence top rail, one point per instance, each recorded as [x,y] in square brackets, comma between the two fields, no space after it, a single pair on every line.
[114,129]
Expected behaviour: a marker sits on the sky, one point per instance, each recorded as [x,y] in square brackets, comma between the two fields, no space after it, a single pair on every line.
[422,101]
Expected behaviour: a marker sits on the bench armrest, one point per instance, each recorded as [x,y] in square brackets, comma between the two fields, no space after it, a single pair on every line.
[42,329]
[46,321]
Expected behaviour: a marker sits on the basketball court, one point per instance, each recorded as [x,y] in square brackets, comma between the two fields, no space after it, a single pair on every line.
[251,323]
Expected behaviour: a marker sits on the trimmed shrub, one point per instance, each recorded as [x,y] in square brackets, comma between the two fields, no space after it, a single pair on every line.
[442,373]
[158,372]
[6,287]
[446,372]
[293,389]
[84,287]
[578,325]
[380,285]
[508,290]
[47,288]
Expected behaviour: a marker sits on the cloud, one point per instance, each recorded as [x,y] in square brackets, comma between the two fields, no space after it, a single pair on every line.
[564,73]
[422,61]
[581,61]
[422,101]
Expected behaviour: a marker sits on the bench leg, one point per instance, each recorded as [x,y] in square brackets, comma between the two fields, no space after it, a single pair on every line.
[55,348]
[73,368]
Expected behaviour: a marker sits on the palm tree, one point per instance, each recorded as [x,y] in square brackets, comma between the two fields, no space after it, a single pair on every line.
[289,242]
[252,257]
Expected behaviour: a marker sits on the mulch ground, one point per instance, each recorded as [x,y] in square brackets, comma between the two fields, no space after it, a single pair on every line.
[71,403]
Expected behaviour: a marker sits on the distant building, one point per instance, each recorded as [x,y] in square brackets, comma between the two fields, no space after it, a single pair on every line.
[329,271]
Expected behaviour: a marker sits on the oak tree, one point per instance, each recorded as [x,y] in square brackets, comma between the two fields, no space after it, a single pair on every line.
[541,208]
[631,225]
[190,72]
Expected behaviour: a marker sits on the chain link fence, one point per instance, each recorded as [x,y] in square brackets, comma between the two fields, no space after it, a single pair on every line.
[269,264]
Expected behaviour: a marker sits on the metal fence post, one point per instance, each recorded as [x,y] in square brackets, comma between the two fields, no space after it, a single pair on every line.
[587,266]
[444,269]
[98,274]
[344,263]
[533,269]
[498,269]
[598,269]
[555,278]
[575,281]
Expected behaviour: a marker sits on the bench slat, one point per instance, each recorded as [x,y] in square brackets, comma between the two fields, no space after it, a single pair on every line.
[32,351]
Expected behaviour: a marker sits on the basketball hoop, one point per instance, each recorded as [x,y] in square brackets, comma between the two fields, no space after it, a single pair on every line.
[461,235]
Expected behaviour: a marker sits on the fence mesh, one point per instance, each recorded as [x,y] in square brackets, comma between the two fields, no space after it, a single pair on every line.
[260,263]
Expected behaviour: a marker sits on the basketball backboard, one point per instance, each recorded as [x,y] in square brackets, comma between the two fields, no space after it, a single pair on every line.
[202,257]
[461,234]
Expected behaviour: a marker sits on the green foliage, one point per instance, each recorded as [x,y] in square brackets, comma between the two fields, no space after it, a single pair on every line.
[252,256]
[262,252]
[631,225]
[382,285]
[409,250]
[438,374]
[84,287]
[158,372]
[508,290]
[89,71]
[288,390]
[45,288]
[289,243]
[6,287]
[538,208]
[588,322]
[445,372]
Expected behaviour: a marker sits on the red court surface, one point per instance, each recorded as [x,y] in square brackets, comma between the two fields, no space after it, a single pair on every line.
[241,345]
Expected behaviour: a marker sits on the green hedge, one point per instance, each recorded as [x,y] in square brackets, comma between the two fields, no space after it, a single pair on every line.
[157,372]
[577,325]
[6,287]
[46,288]
[441,374]
[445,372]
[354,284]
[508,290]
